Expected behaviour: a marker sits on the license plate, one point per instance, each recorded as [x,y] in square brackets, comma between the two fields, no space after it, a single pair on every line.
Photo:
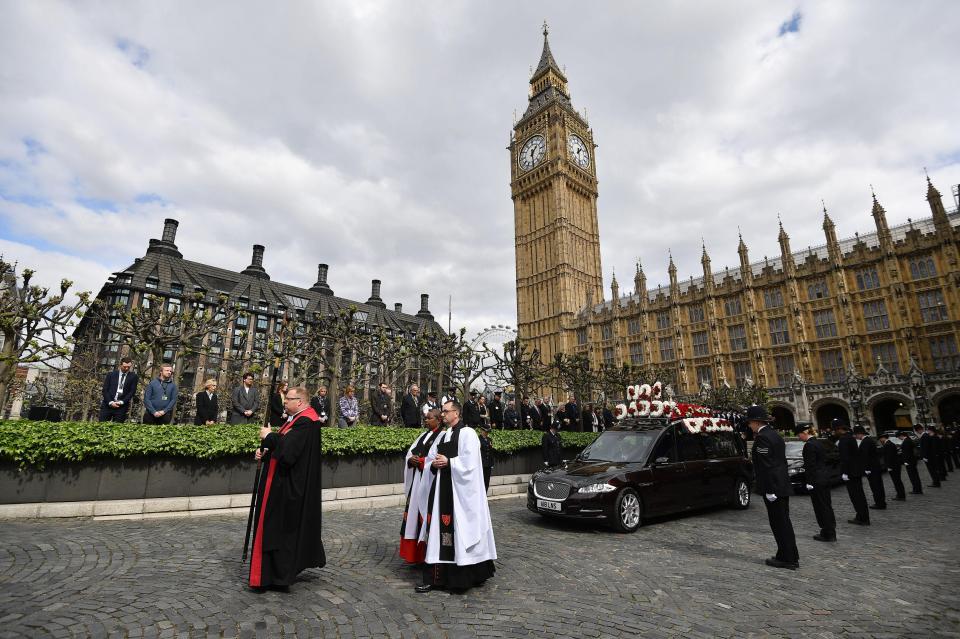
[548,505]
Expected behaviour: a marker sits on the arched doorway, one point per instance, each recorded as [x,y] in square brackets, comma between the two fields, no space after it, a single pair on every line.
[949,409]
[826,413]
[890,414]
[783,418]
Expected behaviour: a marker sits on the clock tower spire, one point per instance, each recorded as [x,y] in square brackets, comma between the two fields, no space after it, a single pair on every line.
[554,190]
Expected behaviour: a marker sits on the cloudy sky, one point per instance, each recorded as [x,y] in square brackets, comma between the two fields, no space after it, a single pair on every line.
[372,135]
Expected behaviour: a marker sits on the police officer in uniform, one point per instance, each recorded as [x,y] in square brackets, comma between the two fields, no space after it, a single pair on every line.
[817,482]
[928,451]
[851,465]
[550,442]
[770,466]
[872,467]
[471,411]
[891,459]
[495,409]
[486,454]
[908,453]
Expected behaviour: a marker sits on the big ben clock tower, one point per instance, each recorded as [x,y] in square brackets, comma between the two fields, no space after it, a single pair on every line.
[554,190]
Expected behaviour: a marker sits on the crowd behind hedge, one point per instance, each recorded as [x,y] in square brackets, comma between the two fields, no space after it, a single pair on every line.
[35,444]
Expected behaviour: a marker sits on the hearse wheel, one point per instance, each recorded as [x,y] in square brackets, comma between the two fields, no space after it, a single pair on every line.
[741,494]
[628,511]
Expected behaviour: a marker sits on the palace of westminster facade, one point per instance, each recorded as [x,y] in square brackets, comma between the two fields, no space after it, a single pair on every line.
[863,328]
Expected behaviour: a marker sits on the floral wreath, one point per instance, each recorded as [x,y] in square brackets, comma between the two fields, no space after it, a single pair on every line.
[646,400]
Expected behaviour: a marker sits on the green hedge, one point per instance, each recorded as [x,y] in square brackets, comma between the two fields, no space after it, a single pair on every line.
[35,444]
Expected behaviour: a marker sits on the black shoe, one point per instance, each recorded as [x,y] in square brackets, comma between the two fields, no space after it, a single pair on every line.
[258,589]
[879,507]
[916,492]
[904,498]
[822,538]
[933,485]
[858,522]
[424,588]
[776,563]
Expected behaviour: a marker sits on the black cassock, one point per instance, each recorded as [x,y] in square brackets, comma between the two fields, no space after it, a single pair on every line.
[288,514]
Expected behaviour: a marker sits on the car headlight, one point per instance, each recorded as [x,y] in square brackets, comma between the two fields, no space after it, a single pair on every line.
[530,483]
[596,488]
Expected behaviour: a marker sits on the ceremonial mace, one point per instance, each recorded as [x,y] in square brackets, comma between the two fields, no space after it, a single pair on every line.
[256,478]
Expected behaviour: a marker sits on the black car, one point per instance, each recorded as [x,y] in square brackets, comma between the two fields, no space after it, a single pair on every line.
[643,468]
[794,450]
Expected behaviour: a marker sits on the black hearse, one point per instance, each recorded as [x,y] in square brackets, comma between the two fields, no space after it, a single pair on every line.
[645,467]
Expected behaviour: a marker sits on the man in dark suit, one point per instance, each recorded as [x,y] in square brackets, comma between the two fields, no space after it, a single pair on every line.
[770,467]
[471,411]
[118,389]
[510,416]
[208,406]
[410,408]
[817,482]
[891,459]
[245,402]
[851,467]
[380,406]
[928,451]
[550,443]
[571,415]
[544,414]
[908,453]
[872,467]
[495,409]
[607,416]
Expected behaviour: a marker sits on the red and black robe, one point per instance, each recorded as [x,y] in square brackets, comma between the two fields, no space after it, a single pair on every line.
[288,516]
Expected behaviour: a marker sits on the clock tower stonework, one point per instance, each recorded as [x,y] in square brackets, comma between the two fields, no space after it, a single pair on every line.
[554,191]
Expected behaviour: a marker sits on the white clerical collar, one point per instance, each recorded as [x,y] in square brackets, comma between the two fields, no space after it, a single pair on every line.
[294,416]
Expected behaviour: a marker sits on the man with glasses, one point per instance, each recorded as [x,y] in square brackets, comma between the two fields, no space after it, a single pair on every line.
[288,514]
[458,530]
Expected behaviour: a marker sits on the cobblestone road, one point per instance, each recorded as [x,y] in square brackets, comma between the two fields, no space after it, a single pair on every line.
[693,576]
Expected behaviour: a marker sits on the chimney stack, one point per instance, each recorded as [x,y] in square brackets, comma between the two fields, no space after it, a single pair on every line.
[398,307]
[321,285]
[256,264]
[425,307]
[167,242]
[375,295]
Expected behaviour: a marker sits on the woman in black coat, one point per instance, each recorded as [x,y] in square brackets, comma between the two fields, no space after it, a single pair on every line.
[277,413]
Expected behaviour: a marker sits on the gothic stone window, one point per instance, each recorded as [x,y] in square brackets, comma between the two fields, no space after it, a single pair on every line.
[738,337]
[824,323]
[581,336]
[701,344]
[636,354]
[704,375]
[922,267]
[875,316]
[943,350]
[633,326]
[817,290]
[832,363]
[783,364]
[732,306]
[663,319]
[666,349]
[772,298]
[867,279]
[779,332]
[741,371]
[606,331]
[696,313]
[608,356]
[887,354]
[932,306]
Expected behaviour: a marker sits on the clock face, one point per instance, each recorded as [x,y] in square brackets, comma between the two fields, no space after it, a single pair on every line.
[578,151]
[532,152]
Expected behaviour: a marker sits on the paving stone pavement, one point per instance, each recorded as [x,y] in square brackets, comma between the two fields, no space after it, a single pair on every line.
[691,576]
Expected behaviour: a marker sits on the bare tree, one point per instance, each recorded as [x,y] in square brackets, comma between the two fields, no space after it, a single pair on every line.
[520,367]
[34,324]
[468,363]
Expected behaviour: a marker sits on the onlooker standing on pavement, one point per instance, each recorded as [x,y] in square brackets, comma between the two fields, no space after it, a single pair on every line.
[160,397]
[349,409]
[872,468]
[118,389]
[471,411]
[891,459]
[928,451]
[546,415]
[278,398]
[320,404]
[510,416]
[208,405]
[380,406]
[496,411]
[484,412]
[244,402]
[486,454]
[908,452]
[817,482]
[410,408]
[550,443]
[851,467]
[571,415]
[770,466]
